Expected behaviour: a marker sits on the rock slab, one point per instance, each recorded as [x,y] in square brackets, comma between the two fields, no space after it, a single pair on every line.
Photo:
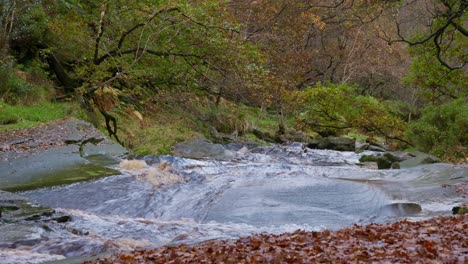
[201,148]
[61,152]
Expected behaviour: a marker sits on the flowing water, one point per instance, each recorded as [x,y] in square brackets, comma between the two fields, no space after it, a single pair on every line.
[263,190]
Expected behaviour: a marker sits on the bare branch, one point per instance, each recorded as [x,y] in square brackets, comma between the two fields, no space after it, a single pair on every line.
[100,31]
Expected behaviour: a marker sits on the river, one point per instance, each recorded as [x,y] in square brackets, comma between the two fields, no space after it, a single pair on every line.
[262,190]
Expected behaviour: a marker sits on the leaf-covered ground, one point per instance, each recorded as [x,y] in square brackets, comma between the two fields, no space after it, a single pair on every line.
[437,240]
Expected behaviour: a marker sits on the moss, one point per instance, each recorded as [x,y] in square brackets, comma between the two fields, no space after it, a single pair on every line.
[72,174]
[368,158]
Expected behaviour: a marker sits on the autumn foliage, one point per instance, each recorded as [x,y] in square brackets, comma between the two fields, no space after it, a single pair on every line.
[438,240]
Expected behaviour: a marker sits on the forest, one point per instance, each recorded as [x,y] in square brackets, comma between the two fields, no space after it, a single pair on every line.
[237,131]
[153,72]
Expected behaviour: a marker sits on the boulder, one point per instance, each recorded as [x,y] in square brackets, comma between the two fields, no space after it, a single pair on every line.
[201,148]
[395,166]
[15,208]
[17,234]
[418,158]
[368,158]
[333,143]
[386,161]
[400,209]
[383,163]
[397,156]
[361,146]
[291,135]
[459,210]
[376,148]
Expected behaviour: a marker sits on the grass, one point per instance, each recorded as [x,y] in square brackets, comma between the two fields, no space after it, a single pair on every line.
[164,125]
[24,116]
[260,119]
[159,130]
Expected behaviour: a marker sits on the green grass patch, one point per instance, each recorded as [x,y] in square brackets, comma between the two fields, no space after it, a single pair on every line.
[260,119]
[25,116]
[159,130]
[160,139]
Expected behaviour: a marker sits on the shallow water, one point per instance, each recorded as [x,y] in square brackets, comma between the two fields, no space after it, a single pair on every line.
[264,190]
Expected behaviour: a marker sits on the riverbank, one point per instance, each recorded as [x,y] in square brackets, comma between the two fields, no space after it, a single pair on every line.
[437,240]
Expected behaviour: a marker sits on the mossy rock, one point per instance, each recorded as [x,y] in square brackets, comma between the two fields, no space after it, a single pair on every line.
[333,143]
[457,210]
[15,208]
[368,158]
[383,162]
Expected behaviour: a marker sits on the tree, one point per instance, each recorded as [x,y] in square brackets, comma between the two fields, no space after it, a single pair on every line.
[446,21]
[115,52]
[338,109]
[325,41]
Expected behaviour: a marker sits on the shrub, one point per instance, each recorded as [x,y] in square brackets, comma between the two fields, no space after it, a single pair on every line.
[227,121]
[338,109]
[22,87]
[442,130]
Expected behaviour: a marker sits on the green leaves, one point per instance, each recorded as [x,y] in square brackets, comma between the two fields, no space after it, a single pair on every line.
[338,109]
[443,130]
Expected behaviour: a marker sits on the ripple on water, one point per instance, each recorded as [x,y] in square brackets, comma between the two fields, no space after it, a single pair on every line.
[266,190]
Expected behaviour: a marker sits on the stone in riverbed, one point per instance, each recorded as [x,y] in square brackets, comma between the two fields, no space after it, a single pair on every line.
[401,209]
[20,234]
[361,146]
[15,208]
[383,162]
[201,148]
[419,158]
[333,143]
[458,210]
[77,151]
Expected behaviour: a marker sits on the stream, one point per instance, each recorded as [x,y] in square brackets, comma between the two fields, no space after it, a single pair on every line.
[273,189]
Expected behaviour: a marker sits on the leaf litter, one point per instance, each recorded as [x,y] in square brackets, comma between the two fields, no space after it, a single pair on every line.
[442,239]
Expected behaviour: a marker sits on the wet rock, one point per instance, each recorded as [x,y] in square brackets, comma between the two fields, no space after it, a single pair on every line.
[333,143]
[401,209]
[368,165]
[291,135]
[383,162]
[418,158]
[201,148]
[75,152]
[386,161]
[368,158]
[376,148]
[50,168]
[458,210]
[20,234]
[397,156]
[234,146]
[63,219]
[14,208]
[361,146]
